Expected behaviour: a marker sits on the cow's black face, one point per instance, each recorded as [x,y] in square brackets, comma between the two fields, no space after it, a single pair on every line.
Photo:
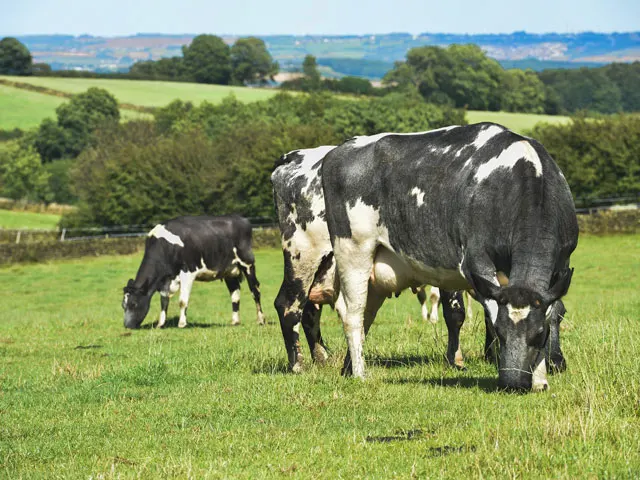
[136,304]
[518,316]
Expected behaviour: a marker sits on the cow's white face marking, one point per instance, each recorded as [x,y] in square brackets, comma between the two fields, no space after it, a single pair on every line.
[235,296]
[363,141]
[419,195]
[487,134]
[539,381]
[508,159]
[159,231]
[517,314]
[492,308]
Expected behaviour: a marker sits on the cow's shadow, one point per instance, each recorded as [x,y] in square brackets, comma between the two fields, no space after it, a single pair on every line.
[486,384]
[172,322]
[401,361]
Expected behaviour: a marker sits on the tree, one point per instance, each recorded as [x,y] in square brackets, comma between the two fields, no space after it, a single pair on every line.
[522,92]
[22,175]
[15,58]
[310,68]
[208,60]
[77,120]
[251,62]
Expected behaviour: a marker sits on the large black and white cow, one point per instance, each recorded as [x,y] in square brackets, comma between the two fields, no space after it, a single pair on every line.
[309,268]
[185,249]
[453,207]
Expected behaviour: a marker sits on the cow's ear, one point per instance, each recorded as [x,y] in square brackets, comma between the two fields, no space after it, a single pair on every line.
[129,287]
[561,285]
[484,287]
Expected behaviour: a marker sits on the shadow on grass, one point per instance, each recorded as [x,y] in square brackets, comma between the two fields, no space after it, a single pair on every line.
[173,323]
[486,384]
[398,361]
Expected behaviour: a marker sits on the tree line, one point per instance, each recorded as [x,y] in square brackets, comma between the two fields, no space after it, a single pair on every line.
[462,76]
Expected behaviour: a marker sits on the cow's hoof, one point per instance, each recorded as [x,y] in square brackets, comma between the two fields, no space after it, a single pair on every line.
[297,367]
[182,325]
[320,355]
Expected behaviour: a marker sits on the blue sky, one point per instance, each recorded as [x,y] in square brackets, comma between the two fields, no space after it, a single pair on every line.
[331,17]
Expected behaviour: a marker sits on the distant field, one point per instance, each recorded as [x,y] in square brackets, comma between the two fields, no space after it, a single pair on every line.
[17,220]
[151,94]
[25,109]
[518,122]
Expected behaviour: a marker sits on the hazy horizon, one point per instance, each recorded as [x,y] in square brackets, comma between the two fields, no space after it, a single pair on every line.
[330,17]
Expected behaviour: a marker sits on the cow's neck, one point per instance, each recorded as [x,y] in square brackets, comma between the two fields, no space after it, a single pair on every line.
[151,275]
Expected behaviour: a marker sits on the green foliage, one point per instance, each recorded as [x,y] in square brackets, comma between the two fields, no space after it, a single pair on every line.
[22,175]
[599,157]
[15,58]
[251,62]
[172,68]
[76,122]
[459,74]
[310,68]
[522,92]
[42,69]
[60,181]
[208,60]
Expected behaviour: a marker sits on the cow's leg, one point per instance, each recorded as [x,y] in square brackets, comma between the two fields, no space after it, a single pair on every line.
[249,271]
[289,304]
[233,284]
[422,300]
[164,306]
[434,298]
[453,312]
[311,325]
[375,299]
[468,307]
[186,283]
[555,359]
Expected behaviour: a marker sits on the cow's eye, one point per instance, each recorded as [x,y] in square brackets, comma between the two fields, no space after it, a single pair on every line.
[537,303]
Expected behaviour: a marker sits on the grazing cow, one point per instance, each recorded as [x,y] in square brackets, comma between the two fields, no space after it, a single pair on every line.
[186,249]
[309,269]
[452,208]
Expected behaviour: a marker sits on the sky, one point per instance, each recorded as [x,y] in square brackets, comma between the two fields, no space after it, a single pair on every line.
[327,17]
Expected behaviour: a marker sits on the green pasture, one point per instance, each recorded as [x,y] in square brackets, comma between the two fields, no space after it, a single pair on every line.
[11,219]
[150,93]
[25,109]
[81,397]
[518,122]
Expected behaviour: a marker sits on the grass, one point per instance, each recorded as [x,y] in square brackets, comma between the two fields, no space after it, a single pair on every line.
[12,219]
[82,397]
[26,109]
[149,93]
[518,122]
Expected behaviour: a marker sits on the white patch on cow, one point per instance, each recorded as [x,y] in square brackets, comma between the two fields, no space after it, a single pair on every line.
[310,156]
[434,297]
[487,134]
[235,318]
[162,319]
[235,296]
[236,259]
[159,231]
[419,195]
[363,141]
[517,314]
[508,159]
[539,381]
[492,309]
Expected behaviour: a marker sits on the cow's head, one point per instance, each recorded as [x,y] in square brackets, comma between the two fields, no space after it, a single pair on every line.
[135,303]
[518,316]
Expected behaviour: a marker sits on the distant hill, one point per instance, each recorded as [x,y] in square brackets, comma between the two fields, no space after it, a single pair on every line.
[371,55]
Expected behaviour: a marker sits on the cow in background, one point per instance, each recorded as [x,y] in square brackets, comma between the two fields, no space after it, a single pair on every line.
[309,267]
[452,208]
[183,250]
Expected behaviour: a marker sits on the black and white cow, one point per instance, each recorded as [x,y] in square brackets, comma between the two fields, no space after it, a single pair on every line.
[185,249]
[453,207]
[309,269]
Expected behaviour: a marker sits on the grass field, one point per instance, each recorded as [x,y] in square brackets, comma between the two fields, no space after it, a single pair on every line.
[81,397]
[11,219]
[518,122]
[151,94]
[26,109]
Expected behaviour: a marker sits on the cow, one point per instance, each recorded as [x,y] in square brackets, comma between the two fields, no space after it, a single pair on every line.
[309,268]
[189,248]
[457,208]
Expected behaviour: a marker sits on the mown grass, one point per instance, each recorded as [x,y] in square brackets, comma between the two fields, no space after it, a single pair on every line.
[12,219]
[149,93]
[518,122]
[25,109]
[82,397]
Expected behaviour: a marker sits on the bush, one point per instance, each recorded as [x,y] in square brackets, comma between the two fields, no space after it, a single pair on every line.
[22,175]
[599,157]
